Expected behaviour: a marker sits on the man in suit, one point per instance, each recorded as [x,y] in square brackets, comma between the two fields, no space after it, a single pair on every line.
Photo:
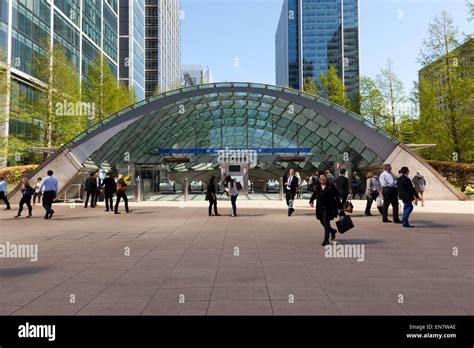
[110,187]
[342,185]
[98,188]
[290,184]
[407,194]
[90,187]
[390,194]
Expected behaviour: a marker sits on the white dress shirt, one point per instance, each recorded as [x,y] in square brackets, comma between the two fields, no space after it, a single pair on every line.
[387,180]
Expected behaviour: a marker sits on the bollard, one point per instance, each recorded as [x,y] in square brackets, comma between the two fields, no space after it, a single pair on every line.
[281,188]
[186,189]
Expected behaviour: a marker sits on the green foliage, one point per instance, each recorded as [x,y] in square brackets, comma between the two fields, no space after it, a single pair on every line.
[310,87]
[57,111]
[372,102]
[393,91]
[470,8]
[455,173]
[13,175]
[334,88]
[447,93]
[102,91]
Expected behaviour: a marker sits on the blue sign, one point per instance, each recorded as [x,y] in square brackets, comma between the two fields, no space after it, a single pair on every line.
[304,150]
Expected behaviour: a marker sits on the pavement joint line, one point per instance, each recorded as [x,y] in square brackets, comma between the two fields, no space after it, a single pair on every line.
[171,271]
[229,219]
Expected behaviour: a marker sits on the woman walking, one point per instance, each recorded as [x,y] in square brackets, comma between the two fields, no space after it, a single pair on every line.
[28,192]
[37,193]
[372,191]
[233,192]
[419,183]
[328,205]
[211,196]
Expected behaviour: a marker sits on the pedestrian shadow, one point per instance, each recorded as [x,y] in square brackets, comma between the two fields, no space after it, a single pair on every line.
[16,271]
[359,241]
[429,224]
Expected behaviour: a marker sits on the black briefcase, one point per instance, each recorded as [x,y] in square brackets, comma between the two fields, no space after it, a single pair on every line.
[344,224]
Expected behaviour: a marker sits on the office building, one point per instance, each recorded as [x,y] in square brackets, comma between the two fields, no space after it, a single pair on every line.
[132,45]
[312,35]
[162,46]
[196,74]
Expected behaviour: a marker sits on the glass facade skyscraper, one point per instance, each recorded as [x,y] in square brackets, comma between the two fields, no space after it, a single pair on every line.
[132,45]
[29,28]
[312,35]
[162,45]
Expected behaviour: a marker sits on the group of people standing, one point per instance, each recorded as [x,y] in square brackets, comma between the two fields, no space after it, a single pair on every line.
[231,187]
[331,195]
[108,187]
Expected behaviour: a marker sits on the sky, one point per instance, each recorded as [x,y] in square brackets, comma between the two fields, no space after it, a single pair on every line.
[236,38]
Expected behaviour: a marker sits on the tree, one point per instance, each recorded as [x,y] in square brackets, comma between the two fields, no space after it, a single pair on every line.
[446,92]
[393,91]
[59,111]
[334,88]
[102,91]
[372,102]
[310,87]
[470,8]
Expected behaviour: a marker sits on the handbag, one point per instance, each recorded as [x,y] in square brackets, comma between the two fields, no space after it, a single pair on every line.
[349,207]
[379,202]
[344,224]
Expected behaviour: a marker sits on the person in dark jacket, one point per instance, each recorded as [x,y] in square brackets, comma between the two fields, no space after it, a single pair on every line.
[328,206]
[211,195]
[290,184]
[90,188]
[28,192]
[407,194]
[121,194]
[342,185]
[110,187]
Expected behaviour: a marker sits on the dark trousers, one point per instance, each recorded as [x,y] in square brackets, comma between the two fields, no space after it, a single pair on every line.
[91,195]
[327,225]
[390,196]
[37,195]
[290,199]
[407,209]
[25,200]
[3,196]
[370,199]
[212,203]
[48,198]
[109,204]
[121,195]
[343,200]
[233,201]
[96,197]
[356,191]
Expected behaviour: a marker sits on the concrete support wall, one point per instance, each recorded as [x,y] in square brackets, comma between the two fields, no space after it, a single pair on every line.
[65,167]
[437,188]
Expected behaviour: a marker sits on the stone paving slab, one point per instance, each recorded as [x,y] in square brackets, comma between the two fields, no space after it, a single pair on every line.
[166,259]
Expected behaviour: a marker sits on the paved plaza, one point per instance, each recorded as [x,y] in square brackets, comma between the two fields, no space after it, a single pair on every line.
[170,258]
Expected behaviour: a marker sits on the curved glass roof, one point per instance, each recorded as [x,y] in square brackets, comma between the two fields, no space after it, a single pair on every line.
[234,115]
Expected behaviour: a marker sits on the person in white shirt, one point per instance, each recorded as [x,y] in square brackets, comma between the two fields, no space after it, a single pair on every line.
[390,194]
[50,187]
